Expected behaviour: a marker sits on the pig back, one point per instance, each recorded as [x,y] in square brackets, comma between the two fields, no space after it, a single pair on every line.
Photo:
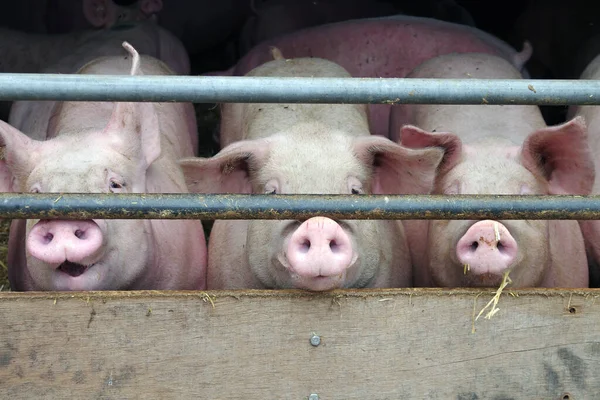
[259,120]
[471,123]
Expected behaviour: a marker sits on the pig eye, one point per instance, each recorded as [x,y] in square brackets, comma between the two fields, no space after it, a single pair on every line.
[116,186]
[271,187]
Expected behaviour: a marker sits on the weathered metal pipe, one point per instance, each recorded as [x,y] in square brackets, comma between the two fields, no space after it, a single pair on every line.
[210,89]
[213,206]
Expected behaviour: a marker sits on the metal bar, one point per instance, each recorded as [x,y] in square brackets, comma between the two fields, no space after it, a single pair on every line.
[210,89]
[213,206]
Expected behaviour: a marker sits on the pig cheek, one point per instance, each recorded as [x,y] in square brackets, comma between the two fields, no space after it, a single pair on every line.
[370,248]
[128,252]
[534,254]
[264,244]
[443,265]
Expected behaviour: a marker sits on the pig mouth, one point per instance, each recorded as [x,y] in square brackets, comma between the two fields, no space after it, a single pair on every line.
[484,280]
[73,269]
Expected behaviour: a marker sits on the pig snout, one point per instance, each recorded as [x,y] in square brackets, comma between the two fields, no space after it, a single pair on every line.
[487,248]
[55,242]
[319,248]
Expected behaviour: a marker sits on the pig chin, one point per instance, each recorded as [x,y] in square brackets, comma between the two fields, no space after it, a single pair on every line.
[483,280]
[292,280]
[68,276]
[319,283]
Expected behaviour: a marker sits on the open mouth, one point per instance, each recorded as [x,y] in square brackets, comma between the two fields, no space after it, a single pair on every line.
[73,269]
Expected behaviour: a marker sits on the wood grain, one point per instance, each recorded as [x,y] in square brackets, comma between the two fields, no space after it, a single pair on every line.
[379,344]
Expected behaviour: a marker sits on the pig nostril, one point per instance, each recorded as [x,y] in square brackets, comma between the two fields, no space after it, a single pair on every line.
[79,234]
[305,246]
[48,237]
[474,246]
[334,246]
[500,247]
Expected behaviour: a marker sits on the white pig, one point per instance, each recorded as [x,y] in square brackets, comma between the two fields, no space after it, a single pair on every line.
[103,147]
[496,150]
[591,229]
[307,149]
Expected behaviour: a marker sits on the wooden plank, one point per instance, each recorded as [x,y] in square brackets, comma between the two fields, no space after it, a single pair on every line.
[381,344]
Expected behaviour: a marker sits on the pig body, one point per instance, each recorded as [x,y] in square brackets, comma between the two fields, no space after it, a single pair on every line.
[102,147]
[307,148]
[67,53]
[591,229]
[274,18]
[496,150]
[387,47]
[59,53]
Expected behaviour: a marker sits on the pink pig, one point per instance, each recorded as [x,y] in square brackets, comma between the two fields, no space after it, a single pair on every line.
[102,147]
[304,149]
[591,229]
[496,150]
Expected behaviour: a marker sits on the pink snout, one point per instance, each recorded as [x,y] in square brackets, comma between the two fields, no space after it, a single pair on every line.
[487,248]
[56,241]
[319,248]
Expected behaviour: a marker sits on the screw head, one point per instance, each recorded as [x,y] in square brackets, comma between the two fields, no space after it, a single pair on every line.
[313,396]
[315,340]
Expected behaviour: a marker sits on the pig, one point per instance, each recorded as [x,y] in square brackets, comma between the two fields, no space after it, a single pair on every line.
[109,13]
[64,16]
[103,147]
[591,229]
[67,53]
[496,149]
[387,47]
[274,18]
[31,53]
[304,149]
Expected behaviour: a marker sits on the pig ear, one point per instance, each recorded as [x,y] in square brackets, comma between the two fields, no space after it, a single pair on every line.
[136,122]
[417,138]
[563,156]
[150,7]
[19,150]
[228,171]
[97,12]
[397,169]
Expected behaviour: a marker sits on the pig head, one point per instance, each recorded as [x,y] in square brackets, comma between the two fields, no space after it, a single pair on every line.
[552,160]
[318,253]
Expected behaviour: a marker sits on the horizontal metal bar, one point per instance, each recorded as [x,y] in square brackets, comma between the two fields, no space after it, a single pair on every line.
[210,89]
[213,206]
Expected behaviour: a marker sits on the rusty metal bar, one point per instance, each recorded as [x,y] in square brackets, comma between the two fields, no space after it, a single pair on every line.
[213,206]
[210,89]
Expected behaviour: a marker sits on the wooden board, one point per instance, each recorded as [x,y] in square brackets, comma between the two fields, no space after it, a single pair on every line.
[410,343]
